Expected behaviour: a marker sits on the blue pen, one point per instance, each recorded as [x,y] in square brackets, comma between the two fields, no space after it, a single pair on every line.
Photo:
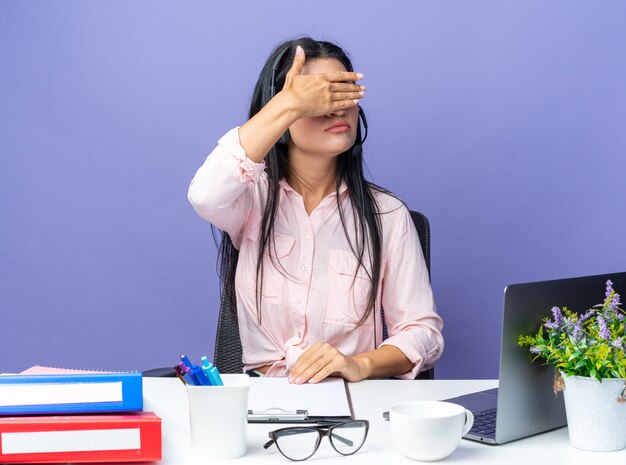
[206,369]
[197,372]
[216,375]
[211,372]
[186,361]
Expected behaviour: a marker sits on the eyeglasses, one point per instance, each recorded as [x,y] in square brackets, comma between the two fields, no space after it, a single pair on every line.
[301,442]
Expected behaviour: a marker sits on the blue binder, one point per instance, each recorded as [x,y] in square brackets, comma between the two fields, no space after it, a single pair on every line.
[70,393]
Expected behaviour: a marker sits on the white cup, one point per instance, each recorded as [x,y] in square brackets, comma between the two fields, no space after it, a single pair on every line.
[429,430]
[218,417]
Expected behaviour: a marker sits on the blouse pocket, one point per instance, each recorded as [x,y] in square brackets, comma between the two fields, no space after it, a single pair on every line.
[275,259]
[347,295]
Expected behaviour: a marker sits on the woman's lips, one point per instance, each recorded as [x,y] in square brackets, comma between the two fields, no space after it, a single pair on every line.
[338,129]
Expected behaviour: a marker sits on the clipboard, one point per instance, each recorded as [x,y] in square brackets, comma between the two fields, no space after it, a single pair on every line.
[276,414]
[275,400]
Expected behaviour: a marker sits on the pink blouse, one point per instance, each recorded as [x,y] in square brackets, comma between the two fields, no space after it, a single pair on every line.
[315,301]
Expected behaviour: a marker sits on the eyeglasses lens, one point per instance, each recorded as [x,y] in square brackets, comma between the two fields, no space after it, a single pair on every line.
[297,443]
[348,437]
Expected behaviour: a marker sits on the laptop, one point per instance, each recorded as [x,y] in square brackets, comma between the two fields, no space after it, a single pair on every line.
[524,403]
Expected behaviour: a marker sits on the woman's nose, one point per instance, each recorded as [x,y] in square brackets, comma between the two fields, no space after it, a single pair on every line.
[337,113]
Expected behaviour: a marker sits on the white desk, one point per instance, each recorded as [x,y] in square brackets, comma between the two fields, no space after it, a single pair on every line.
[167,397]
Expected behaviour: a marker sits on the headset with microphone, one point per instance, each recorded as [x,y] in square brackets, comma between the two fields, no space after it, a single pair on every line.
[357,148]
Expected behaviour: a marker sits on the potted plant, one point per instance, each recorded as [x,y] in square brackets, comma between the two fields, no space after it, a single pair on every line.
[588,354]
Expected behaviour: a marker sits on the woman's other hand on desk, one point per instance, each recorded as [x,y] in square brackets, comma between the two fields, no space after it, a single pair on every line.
[322,360]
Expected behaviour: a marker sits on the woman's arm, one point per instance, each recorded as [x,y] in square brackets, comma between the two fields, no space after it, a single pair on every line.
[262,131]
[219,192]
[410,314]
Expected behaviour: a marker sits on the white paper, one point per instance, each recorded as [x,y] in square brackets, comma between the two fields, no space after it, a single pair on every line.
[70,393]
[71,441]
[326,398]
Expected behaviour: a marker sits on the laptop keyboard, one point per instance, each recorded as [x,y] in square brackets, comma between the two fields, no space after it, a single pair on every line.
[484,423]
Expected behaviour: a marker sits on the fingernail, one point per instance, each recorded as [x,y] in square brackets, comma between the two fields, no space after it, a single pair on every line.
[356,101]
[361,93]
[291,379]
[312,381]
[359,75]
[363,87]
[298,50]
[298,380]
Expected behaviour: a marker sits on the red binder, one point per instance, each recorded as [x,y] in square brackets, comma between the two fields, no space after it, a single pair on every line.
[130,437]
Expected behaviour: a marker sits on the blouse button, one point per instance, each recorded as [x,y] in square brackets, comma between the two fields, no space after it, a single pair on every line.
[307,236]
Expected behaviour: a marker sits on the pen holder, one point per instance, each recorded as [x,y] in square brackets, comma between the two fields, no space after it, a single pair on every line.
[218,418]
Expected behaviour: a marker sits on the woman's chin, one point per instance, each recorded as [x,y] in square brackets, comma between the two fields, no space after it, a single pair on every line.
[340,145]
[330,147]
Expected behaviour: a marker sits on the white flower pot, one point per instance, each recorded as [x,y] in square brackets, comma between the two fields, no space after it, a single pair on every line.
[595,419]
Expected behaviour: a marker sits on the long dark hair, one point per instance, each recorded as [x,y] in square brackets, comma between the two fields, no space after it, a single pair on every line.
[367,226]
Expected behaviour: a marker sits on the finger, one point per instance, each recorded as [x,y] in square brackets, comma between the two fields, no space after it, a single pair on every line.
[298,373]
[340,76]
[343,105]
[317,367]
[304,361]
[339,96]
[307,371]
[345,87]
[325,372]
[298,62]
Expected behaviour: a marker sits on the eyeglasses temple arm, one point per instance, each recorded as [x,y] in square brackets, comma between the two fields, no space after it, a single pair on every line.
[347,442]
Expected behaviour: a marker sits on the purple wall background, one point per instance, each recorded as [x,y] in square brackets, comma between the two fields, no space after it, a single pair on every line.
[505,123]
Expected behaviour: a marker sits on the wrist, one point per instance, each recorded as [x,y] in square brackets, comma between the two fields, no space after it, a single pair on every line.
[364,366]
[287,104]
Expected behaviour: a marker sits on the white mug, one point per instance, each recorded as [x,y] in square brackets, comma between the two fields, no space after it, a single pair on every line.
[429,430]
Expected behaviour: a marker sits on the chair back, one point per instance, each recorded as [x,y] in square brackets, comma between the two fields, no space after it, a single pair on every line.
[228,352]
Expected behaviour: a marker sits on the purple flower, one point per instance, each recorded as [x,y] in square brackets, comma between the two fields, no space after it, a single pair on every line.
[535,350]
[604,331]
[615,301]
[618,343]
[587,315]
[558,316]
[609,288]
[577,334]
[551,325]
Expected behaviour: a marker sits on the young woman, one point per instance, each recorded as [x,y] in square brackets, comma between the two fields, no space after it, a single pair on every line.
[317,249]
